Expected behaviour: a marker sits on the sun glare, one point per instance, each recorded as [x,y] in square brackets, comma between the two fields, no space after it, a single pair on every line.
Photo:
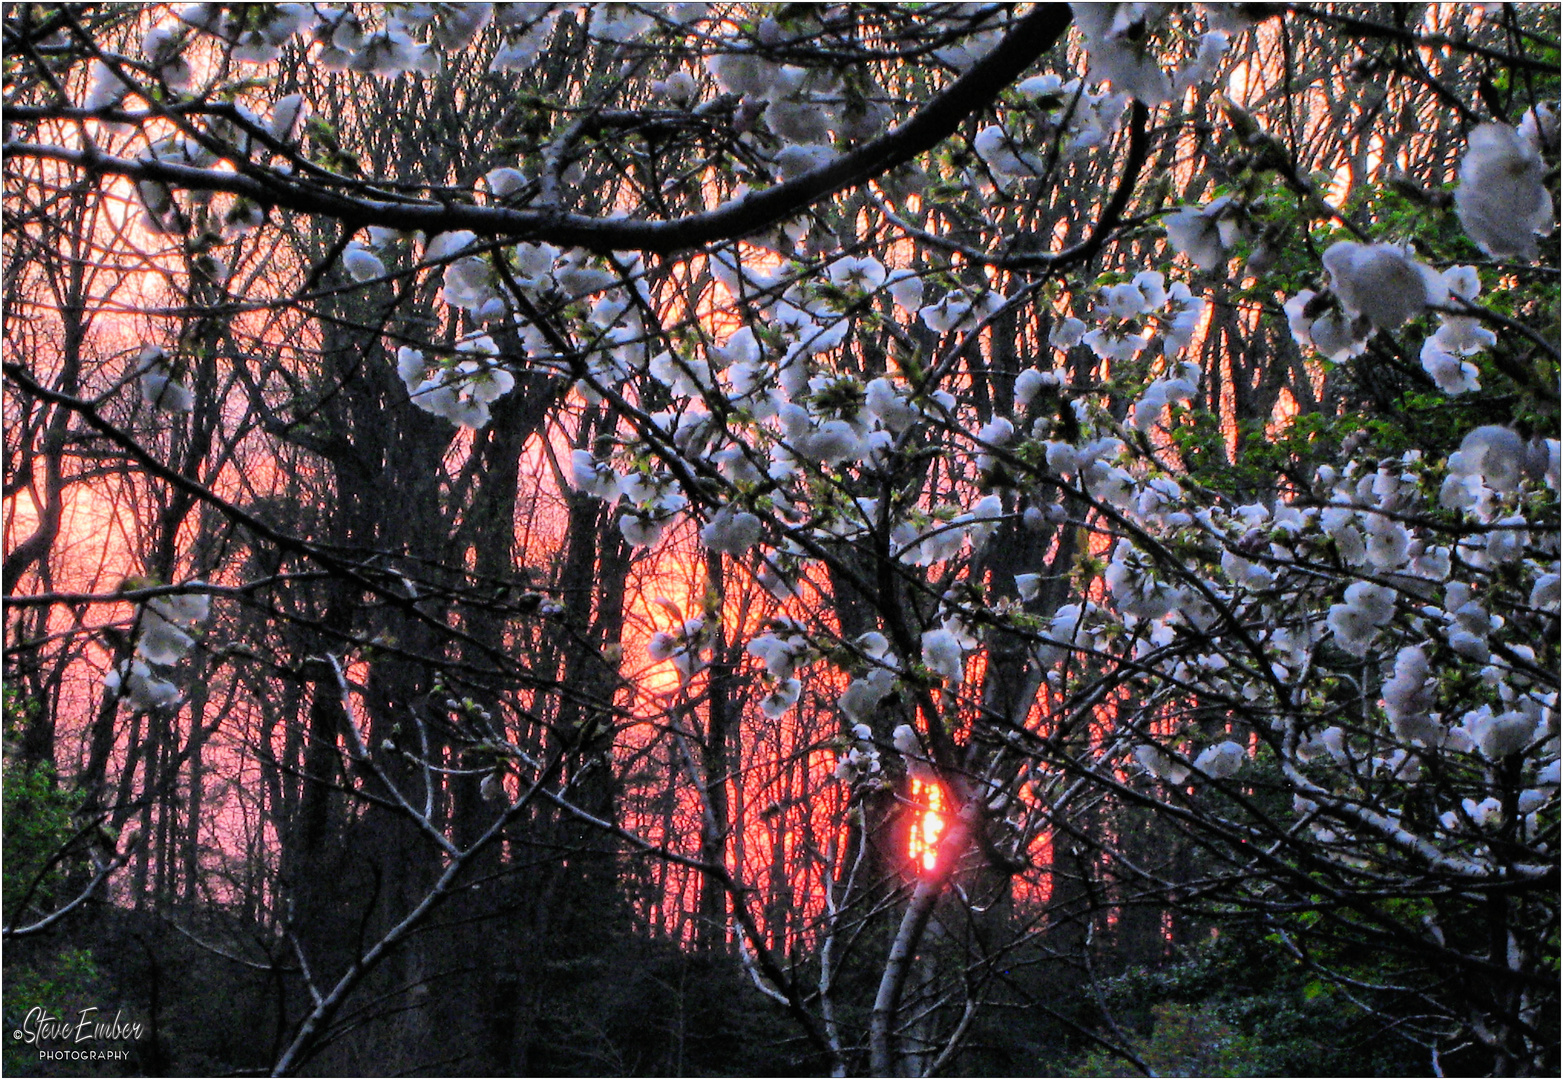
[928,825]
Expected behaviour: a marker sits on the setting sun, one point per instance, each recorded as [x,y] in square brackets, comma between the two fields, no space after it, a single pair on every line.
[927,825]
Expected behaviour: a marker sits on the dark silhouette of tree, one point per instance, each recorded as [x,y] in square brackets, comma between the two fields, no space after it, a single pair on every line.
[660,537]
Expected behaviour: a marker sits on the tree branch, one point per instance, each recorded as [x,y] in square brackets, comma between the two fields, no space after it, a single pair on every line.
[1027,39]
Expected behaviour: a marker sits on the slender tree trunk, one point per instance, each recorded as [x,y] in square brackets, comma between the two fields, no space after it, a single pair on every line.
[715,768]
[885,1056]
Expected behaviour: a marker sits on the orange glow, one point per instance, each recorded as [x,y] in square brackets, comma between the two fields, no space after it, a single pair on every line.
[928,825]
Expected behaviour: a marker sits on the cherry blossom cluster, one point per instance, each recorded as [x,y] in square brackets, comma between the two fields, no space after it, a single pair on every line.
[1379,571]
[1381,635]
[163,639]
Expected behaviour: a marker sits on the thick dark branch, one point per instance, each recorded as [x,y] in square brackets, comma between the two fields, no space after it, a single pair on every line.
[1027,39]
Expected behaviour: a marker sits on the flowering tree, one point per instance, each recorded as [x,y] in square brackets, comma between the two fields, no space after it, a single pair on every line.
[951,415]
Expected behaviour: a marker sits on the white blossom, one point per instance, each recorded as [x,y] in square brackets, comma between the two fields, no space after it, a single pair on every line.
[1485,814]
[683,645]
[1160,765]
[783,696]
[1047,85]
[468,283]
[1109,346]
[641,529]
[1066,630]
[492,787]
[447,245]
[1003,156]
[944,316]
[107,89]
[942,655]
[1127,300]
[1212,47]
[1116,40]
[161,641]
[1356,622]
[519,52]
[1163,392]
[592,476]
[1502,199]
[887,403]
[780,651]
[1389,542]
[857,763]
[744,73]
[158,387]
[678,88]
[907,744]
[1453,375]
[795,160]
[1066,333]
[461,24]
[163,45]
[1031,382]
[360,263]
[833,442]
[577,280]
[1495,454]
[287,118]
[1381,282]
[620,22]
[1221,760]
[1497,737]
[133,680]
[1539,127]
[997,432]
[504,181]
[864,274]
[1249,575]
[863,695]
[1136,589]
[732,532]
[1408,698]
[968,50]
[1202,233]
[1545,593]
[1178,330]
[906,289]
[1332,332]
[1463,335]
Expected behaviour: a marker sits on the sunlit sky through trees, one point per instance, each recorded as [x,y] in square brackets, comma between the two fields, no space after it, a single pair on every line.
[830,539]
